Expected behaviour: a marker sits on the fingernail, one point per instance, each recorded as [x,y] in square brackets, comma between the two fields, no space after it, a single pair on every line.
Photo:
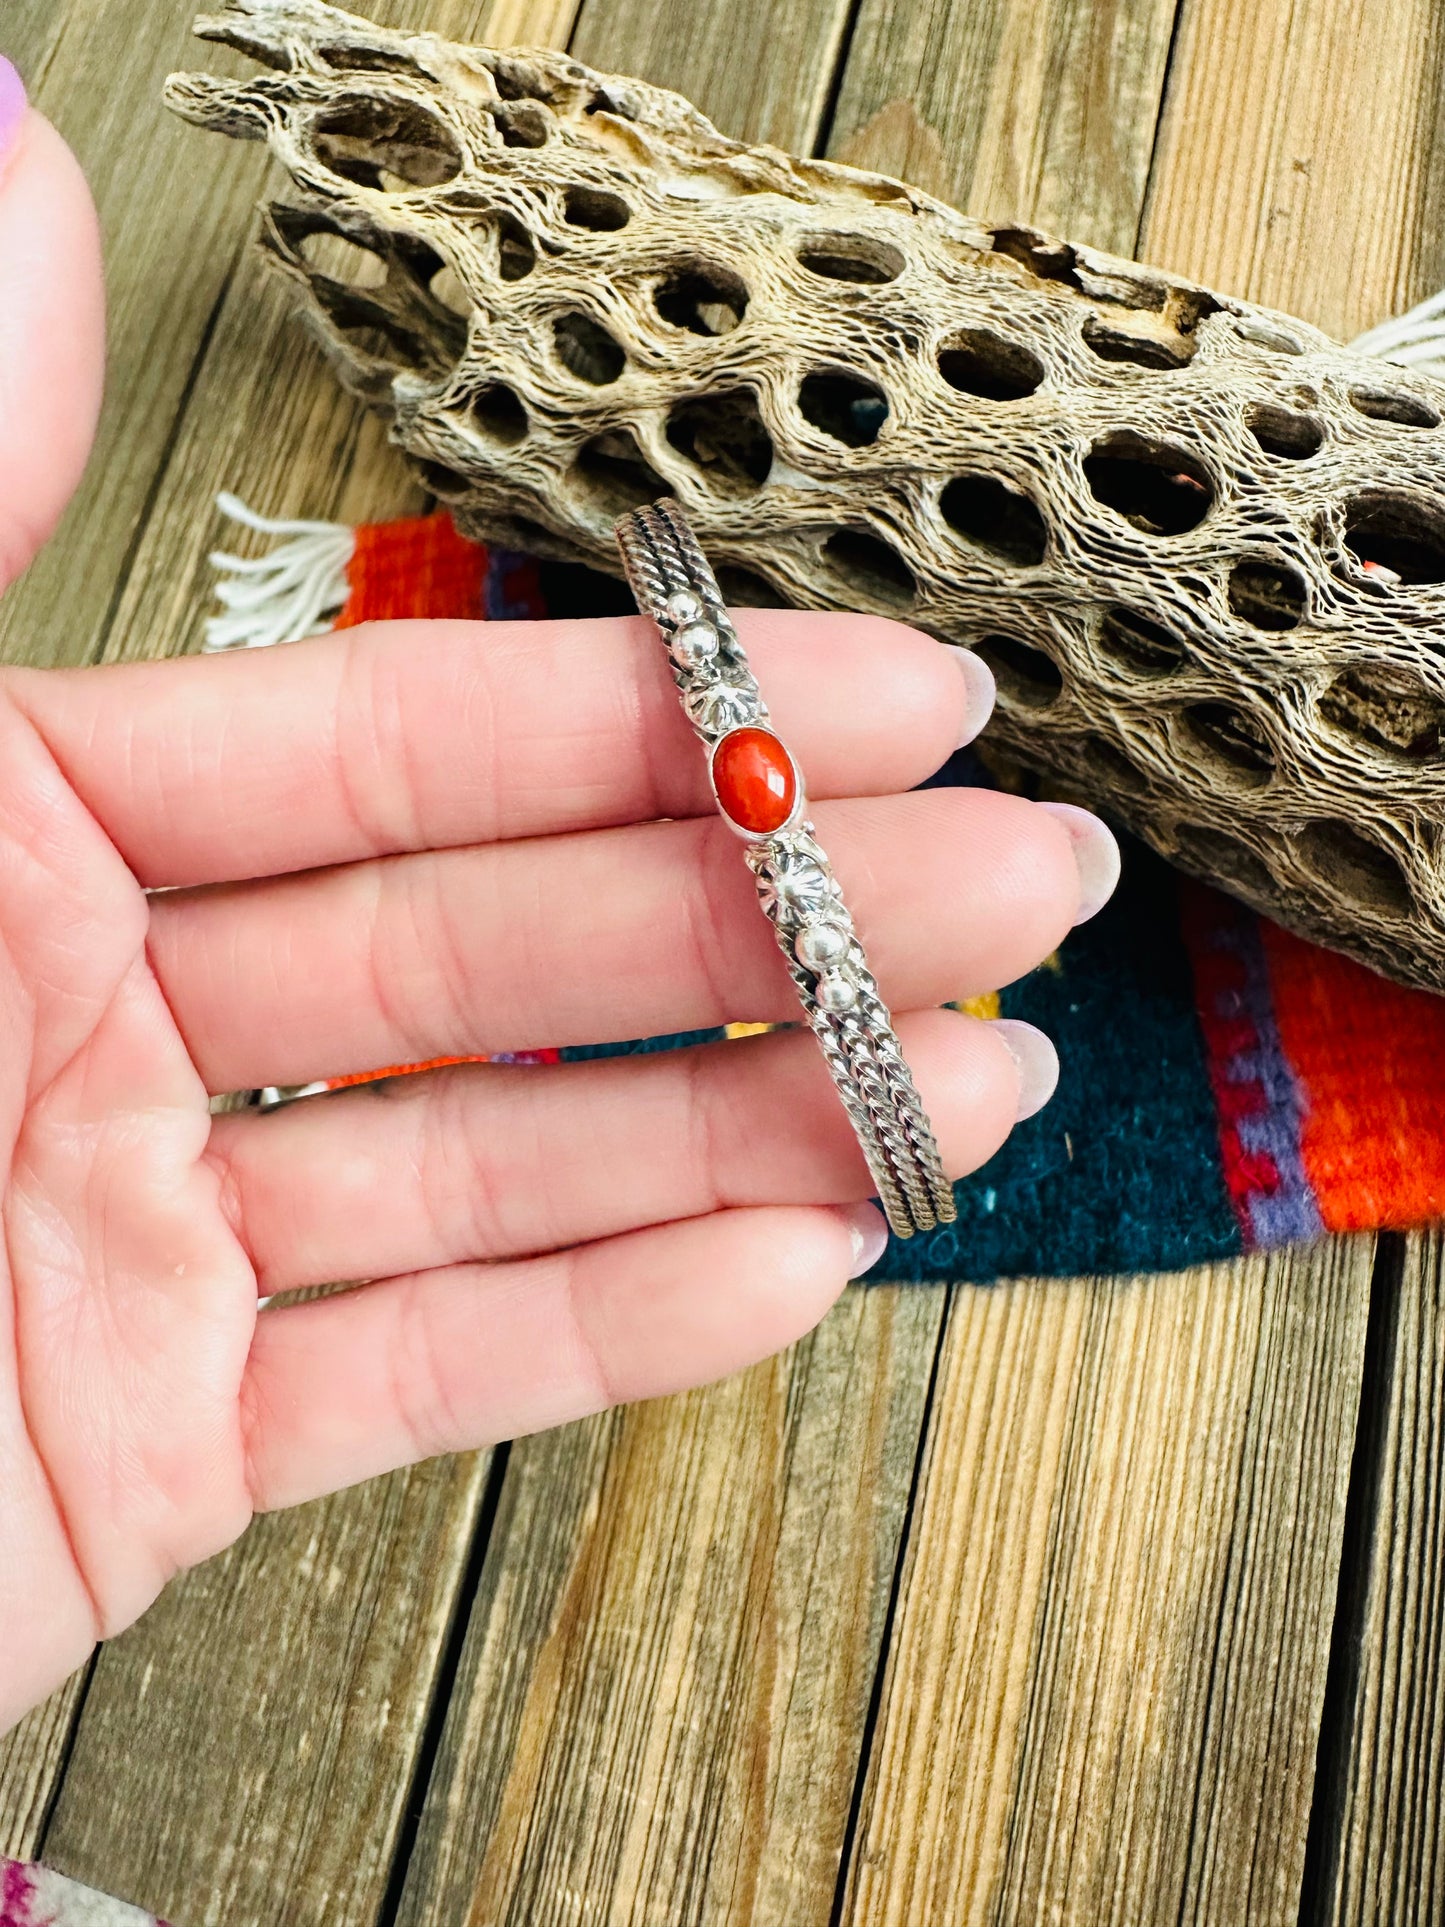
[12,103]
[982,691]
[868,1229]
[1036,1058]
[1095,852]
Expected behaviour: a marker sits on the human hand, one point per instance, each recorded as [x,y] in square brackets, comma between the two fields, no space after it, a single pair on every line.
[399,842]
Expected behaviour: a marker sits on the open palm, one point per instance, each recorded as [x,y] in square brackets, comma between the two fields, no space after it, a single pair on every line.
[408,841]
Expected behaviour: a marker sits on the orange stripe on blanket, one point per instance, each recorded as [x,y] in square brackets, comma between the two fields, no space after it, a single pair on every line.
[420,567]
[1371,1058]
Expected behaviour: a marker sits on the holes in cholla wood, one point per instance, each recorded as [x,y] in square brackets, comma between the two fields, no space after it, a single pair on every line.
[724,437]
[521,123]
[586,350]
[1164,348]
[595,208]
[1280,431]
[844,406]
[1390,405]
[1224,860]
[442,482]
[341,259]
[871,566]
[744,589]
[516,251]
[1048,260]
[1268,595]
[996,518]
[1103,758]
[368,60]
[1396,537]
[1389,710]
[977,362]
[1025,675]
[447,288]
[393,145]
[1355,866]
[1231,740]
[609,100]
[704,299]
[518,79]
[1140,643]
[1157,486]
[614,475]
[498,412]
[861,258]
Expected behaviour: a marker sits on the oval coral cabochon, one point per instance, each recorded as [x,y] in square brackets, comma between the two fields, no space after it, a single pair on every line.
[756,783]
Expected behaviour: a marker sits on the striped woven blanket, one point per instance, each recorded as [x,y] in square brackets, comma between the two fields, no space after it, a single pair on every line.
[1225,1087]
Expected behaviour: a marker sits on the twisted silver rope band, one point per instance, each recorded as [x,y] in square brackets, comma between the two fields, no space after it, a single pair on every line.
[675,586]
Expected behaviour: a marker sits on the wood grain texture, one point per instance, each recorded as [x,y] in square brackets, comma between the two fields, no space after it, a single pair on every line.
[1384,1865]
[183,285]
[762,71]
[28,34]
[1041,111]
[1104,1686]
[246,1750]
[265,416]
[168,259]
[1300,159]
[668,1667]
[32,1759]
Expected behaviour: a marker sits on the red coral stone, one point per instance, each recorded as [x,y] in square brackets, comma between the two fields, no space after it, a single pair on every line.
[755,780]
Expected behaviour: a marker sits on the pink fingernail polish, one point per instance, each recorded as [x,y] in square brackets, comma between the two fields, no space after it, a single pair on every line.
[869,1232]
[1033,1051]
[1095,852]
[982,691]
[12,104]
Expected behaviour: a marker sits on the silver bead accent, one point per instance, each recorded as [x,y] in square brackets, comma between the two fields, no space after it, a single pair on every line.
[693,644]
[682,606]
[836,991]
[717,707]
[820,945]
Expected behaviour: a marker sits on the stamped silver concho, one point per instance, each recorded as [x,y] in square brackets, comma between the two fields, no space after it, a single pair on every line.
[760,794]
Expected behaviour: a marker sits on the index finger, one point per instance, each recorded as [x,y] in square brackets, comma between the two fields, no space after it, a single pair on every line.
[403,736]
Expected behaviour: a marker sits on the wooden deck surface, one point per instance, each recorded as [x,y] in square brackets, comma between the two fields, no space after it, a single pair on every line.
[1111,1601]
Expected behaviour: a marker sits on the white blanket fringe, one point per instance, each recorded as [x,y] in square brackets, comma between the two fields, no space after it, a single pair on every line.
[293,591]
[1414,340]
[299,588]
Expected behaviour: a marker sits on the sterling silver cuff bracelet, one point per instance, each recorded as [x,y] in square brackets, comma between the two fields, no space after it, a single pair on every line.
[759,792]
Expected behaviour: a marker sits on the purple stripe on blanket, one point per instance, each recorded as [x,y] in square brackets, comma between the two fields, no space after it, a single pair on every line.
[1290,1213]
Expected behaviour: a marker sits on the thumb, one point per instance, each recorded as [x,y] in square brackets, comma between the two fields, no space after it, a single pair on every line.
[52,326]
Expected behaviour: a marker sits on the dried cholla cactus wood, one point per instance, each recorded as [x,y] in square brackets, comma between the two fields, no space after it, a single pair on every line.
[1202,545]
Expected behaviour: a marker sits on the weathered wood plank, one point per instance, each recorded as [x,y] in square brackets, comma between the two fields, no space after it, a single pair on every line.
[1300,159]
[32,1758]
[1043,112]
[266,417]
[245,1751]
[1103,1688]
[763,72]
[1384,1866]
[172,217]
[28,35]
[187,357]
[669,1663]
